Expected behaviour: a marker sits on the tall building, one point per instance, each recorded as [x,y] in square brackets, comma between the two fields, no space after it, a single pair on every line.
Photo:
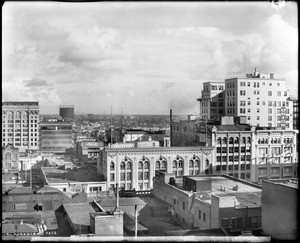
[20,122]
[295,112]
[66,112]
[212,100]
[55,136]
[262,98]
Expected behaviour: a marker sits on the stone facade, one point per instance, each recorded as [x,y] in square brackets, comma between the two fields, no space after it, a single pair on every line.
[134,168]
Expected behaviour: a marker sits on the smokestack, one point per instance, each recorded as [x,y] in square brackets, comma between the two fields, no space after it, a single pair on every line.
[171,128]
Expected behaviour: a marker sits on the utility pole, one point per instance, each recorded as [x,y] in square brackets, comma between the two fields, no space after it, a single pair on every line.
[136,223]
[111,132]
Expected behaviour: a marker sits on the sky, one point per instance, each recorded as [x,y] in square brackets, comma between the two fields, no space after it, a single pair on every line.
[140,57]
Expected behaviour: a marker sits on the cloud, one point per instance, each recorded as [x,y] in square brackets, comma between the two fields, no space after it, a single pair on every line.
[46,94]
[167,85]
[36,82]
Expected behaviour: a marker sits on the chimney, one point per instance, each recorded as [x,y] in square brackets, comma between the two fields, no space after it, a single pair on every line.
[256,72]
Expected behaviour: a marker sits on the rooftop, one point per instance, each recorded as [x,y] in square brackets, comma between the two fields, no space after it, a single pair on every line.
[247,195]
[293,183]
[55,175]
[79,213]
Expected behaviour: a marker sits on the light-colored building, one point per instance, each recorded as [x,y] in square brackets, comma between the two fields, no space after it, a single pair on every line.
[20,125]
[262,98]
[243,151]
[212,100]
[73,181]
[134,168]
[10,159]
[279,209]
[211,201]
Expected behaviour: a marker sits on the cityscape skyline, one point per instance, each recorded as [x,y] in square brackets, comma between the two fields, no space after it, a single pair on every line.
[144,57]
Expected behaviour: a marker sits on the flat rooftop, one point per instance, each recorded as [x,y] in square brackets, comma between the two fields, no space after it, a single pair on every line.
[247,195]
[83,174]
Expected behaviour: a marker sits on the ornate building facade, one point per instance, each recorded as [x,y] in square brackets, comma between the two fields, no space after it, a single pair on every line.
[20,121]
[134,168]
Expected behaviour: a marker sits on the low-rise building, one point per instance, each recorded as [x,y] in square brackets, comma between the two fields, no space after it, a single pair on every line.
[211,201]
[72,181]
[279,209]
[10,159]
[134,168]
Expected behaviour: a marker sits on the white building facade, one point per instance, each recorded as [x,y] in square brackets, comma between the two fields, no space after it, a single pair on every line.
[134,168]
[262,98]
[20,125]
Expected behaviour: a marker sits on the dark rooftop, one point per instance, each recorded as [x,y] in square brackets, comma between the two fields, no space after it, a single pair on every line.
[79,213]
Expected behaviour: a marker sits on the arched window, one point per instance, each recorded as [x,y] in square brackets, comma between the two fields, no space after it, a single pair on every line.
[128,166]
[219,140]
[174,164]
[140,165]
[279,140]
[18,115]
[231,140]
[9,115]
[112,166]
[163,165]
[224,140]
[191,164]
[157,165]
[122,166]
[207,162]
[259,141]
[146,165]
[8,156]
[248,140]
[272,140]
[24,114]
[243,140]
[197,163]
[236,140]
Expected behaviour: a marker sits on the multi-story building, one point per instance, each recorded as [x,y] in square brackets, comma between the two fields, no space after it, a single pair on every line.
[134,168]
[212,100]
[66,112]
[275,154]
[279,209]
[20,122]
[10,159]
[211,201]
[55,136]
[262,98]
[244,151]
[295,112]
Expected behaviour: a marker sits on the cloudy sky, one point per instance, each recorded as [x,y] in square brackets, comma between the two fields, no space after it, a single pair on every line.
[143,57]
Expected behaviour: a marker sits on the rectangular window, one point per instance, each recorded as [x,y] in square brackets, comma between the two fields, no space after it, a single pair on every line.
[278,93]
[199,215]
[275,170]
[183,205]
[269,93]
[269,118]
[112,176]
[174,201]
[204,217]
[285,93]
[270,111]
[140,175]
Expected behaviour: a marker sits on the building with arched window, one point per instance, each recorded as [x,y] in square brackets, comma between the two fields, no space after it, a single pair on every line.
[134,168]
[20,121]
